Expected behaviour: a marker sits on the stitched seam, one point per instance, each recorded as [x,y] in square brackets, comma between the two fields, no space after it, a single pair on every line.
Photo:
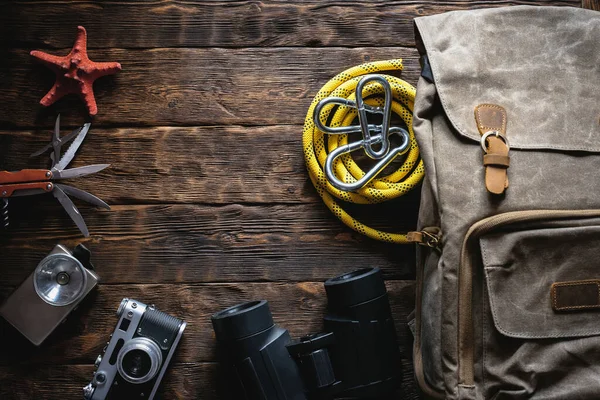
[574,283]
[503,113]
[484,255]
[485,311]
[528,336]
[484,322]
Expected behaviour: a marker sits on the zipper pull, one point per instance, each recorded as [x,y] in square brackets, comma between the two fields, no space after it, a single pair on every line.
[430,237]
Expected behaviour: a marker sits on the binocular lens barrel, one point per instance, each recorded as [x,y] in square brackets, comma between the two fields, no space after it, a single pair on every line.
[254,351]
[356,357]
[242,320]
[354,288]
[365,356]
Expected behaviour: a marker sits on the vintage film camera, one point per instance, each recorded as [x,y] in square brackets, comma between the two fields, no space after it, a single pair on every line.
[56,287]
[136,357]
[358,356]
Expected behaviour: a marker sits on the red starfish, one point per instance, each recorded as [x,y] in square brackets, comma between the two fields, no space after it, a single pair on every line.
[75,72]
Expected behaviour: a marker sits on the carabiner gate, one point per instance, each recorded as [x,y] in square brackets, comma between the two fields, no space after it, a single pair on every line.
[373,172]
[371,134]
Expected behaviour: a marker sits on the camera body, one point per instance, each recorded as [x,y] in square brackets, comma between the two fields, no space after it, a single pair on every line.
[54,289]
[357,356]
[137,355]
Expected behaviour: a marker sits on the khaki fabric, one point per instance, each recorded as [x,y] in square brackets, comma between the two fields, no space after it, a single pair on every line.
[542,65]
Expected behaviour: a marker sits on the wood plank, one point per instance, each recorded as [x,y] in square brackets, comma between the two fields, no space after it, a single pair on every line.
[591,4]
[204,381]
[224,24]
[209,165]
[197,243]
[188,86]
[183,381]
[298,307]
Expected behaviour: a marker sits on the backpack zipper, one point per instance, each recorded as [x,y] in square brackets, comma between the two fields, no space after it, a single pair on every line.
[466,344]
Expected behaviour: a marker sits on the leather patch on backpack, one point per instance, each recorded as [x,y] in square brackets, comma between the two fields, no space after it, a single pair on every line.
[575,295]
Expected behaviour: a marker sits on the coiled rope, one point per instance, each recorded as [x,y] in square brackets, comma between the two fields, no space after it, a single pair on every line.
[380,189]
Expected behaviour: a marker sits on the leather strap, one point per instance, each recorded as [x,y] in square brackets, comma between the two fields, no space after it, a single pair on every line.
[492,118]
[496,160]
[415,237]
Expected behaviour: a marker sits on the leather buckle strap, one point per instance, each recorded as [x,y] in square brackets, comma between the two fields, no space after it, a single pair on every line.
[491,123]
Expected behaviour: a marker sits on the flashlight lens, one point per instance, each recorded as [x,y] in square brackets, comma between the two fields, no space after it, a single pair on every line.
[59,279]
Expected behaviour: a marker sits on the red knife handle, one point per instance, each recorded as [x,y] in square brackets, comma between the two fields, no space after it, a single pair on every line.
[25,175]
[8,190]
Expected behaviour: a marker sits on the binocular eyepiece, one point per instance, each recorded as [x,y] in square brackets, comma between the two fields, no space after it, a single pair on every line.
[357,355]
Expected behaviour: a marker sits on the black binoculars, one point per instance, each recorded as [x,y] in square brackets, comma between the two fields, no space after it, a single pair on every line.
[357,357]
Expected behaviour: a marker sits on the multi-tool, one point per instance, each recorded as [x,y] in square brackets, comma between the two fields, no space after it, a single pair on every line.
[29,182]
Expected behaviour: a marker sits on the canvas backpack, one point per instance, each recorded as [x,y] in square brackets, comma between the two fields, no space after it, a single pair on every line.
[507,117]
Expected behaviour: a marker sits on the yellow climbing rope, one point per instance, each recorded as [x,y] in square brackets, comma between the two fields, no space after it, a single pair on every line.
[380,189]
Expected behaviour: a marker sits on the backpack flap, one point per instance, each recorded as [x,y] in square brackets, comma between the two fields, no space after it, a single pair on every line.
[537,63]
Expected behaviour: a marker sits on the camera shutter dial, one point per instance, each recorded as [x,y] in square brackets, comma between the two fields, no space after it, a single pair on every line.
[59,279]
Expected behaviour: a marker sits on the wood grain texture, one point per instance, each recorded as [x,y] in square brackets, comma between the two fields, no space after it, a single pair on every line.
[298,307]
[197,243]
[182,381]
[591,4]
[208,165]
[270,86]
[225,24]
[205,381]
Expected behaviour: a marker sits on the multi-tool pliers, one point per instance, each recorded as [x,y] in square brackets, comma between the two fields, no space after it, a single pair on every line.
[29,182]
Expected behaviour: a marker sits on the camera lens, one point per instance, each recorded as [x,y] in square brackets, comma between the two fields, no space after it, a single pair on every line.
[242,320]
[139,360]
[137,363]
[355,288]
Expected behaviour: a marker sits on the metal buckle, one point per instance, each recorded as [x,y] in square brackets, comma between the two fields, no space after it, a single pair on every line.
[430,240]
[497,134]
[372,134]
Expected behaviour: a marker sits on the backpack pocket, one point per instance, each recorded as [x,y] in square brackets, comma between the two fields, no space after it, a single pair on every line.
[536,300]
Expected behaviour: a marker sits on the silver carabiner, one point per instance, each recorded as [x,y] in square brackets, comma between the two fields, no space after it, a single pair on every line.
[377,168]
[364,127]
[372,134]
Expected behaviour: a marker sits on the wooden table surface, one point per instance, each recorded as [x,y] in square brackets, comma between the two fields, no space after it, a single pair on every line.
[211,203]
